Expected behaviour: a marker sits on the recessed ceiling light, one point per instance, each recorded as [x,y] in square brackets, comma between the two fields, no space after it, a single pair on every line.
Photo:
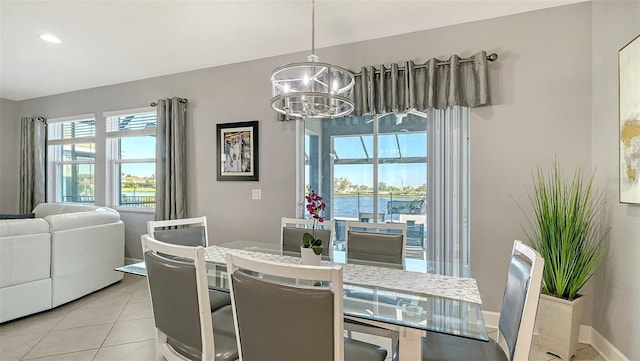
[50,38]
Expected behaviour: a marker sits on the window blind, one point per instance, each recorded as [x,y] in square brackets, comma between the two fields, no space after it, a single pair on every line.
[127,125]
[71,131]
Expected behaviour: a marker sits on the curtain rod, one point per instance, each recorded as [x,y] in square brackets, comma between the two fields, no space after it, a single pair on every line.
[490,57]
[180,100]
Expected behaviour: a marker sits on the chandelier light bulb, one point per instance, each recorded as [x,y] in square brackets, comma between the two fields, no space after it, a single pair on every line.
[305,79]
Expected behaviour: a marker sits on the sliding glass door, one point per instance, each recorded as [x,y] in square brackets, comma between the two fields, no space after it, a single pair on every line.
[408,167]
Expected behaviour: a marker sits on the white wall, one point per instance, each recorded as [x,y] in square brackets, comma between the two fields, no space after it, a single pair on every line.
[541,90]
[9,156]
[617,301]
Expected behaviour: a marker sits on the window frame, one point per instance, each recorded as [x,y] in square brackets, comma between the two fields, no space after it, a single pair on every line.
[55,159]
[113,160]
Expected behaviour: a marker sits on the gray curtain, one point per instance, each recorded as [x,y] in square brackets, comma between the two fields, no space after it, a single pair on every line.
[33,143]
[171,161]
[422,87]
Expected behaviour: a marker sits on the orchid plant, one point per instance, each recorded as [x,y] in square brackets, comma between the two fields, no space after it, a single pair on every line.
[315,207]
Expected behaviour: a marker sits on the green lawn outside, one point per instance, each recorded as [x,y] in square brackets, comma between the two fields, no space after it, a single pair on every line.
[138,189]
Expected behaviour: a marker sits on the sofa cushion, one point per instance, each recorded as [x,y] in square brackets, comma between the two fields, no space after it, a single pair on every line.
[24,258]
[17,227]
[24,299]
[18,216]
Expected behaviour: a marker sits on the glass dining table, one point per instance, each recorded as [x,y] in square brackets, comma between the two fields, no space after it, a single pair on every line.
[410,301]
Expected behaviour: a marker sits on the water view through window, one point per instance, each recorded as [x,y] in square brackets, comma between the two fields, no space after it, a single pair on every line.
[371,169]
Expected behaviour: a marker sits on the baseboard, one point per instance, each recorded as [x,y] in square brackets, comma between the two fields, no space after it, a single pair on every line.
[587,335]
[605,348]
[128,260]
[491,318]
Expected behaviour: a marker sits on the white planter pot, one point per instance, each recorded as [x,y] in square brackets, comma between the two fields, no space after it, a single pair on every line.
[558,322]
[308,257]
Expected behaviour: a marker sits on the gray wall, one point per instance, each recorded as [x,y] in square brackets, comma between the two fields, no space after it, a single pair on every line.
[541,91]
[542,88]
[9,160]
[618,298]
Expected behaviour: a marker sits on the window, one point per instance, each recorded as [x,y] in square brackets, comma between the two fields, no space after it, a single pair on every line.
[410,168]
[131,147]
[71,157]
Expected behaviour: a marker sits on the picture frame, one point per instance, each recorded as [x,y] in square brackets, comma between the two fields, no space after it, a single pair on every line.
[629,112]
[238,152]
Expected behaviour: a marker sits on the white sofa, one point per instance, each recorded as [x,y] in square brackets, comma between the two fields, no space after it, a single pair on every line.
[64,253]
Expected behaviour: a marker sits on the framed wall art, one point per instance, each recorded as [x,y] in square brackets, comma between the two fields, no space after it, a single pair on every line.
[237,145]
[629,88]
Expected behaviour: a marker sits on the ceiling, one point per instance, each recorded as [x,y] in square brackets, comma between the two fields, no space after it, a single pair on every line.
[110,42]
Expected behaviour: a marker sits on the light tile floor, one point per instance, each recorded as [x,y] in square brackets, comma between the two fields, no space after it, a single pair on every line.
[115,324]
[584,352]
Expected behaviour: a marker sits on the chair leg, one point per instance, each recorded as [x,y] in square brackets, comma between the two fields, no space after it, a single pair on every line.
[361,327]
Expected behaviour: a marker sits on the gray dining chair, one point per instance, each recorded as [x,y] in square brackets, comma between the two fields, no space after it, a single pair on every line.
[188,232]
[517,317]
[382,244]
[293,229]
[297,319]
[185,327]
[185,231]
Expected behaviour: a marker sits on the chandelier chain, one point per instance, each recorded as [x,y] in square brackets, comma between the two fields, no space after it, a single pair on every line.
[313,26]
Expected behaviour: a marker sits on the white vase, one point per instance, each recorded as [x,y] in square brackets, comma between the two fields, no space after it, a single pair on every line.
[308,257]
[558,323]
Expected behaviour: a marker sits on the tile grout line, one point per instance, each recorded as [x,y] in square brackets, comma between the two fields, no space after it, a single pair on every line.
[48,332]
[111,329]
[114,323]
[60,354]
[63,353]
[77,307]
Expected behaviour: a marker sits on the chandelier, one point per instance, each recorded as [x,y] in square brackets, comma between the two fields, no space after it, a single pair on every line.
[312,89]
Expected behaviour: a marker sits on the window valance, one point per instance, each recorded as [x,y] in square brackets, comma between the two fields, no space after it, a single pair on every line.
[434,84]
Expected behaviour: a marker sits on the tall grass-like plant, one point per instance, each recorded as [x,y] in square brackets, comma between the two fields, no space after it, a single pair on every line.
[566,229]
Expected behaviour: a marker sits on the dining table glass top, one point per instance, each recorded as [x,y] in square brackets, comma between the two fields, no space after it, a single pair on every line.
[415,297]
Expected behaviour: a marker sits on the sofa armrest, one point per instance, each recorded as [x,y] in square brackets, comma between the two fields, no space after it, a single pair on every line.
[19,227]
[43,210]
[59,222]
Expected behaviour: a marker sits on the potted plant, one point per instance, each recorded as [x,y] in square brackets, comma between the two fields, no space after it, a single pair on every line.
[566,230]
[311,248]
